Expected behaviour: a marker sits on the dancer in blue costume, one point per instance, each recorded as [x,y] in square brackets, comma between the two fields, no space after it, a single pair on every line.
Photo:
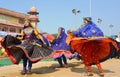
[90,43]
[62,50]
[89,29]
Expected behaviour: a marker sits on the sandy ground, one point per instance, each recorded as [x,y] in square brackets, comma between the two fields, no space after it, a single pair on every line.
[48,69]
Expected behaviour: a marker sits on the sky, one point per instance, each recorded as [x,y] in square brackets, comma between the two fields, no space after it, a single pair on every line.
[58,13]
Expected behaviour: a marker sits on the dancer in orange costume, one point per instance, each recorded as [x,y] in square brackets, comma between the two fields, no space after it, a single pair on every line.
[90,43]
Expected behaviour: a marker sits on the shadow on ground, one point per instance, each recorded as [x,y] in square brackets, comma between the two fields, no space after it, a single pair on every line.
[52,68]
[83,70]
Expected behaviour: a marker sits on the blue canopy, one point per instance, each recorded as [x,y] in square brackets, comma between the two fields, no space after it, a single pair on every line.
[7,33]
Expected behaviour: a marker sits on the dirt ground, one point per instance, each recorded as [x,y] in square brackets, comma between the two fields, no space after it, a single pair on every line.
[75,69]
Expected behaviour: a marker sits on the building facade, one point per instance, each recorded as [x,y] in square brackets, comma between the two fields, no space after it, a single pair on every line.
[11,22]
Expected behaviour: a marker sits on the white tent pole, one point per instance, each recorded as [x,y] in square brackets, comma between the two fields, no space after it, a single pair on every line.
[90,8]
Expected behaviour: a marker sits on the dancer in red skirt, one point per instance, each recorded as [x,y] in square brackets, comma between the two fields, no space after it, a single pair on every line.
[90,43]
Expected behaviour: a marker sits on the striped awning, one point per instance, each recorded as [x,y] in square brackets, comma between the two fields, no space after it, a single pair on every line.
[7,33]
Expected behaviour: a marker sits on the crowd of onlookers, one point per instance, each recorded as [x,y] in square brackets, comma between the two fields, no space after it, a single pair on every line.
[117,38]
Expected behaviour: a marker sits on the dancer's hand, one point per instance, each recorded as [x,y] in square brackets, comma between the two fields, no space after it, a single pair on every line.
[69,31]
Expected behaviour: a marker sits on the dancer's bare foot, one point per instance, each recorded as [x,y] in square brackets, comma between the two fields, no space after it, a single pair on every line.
[101,73]
[90,73]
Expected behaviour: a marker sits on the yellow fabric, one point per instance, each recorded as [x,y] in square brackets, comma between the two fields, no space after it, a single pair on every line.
[38,45]
[21,35]
[69,38]
[35,32]
[38,35]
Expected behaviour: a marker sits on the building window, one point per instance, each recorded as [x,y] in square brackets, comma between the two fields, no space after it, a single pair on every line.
[19,30]
[0,28]
[12,29]
[21,21]
[4,29]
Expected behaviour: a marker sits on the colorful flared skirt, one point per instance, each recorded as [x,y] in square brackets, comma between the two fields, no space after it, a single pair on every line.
[95,51]
[58,54]
[34,52]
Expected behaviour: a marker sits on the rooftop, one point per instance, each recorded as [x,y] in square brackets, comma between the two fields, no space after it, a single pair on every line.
[12,13]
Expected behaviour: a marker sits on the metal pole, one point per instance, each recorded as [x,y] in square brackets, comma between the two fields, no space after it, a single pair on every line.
[74,11]
[75,20]
[110,32]
[110,26]
[90,8]
[99,21]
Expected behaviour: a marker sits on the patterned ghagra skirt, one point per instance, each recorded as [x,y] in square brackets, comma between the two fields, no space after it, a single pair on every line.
[34,52]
